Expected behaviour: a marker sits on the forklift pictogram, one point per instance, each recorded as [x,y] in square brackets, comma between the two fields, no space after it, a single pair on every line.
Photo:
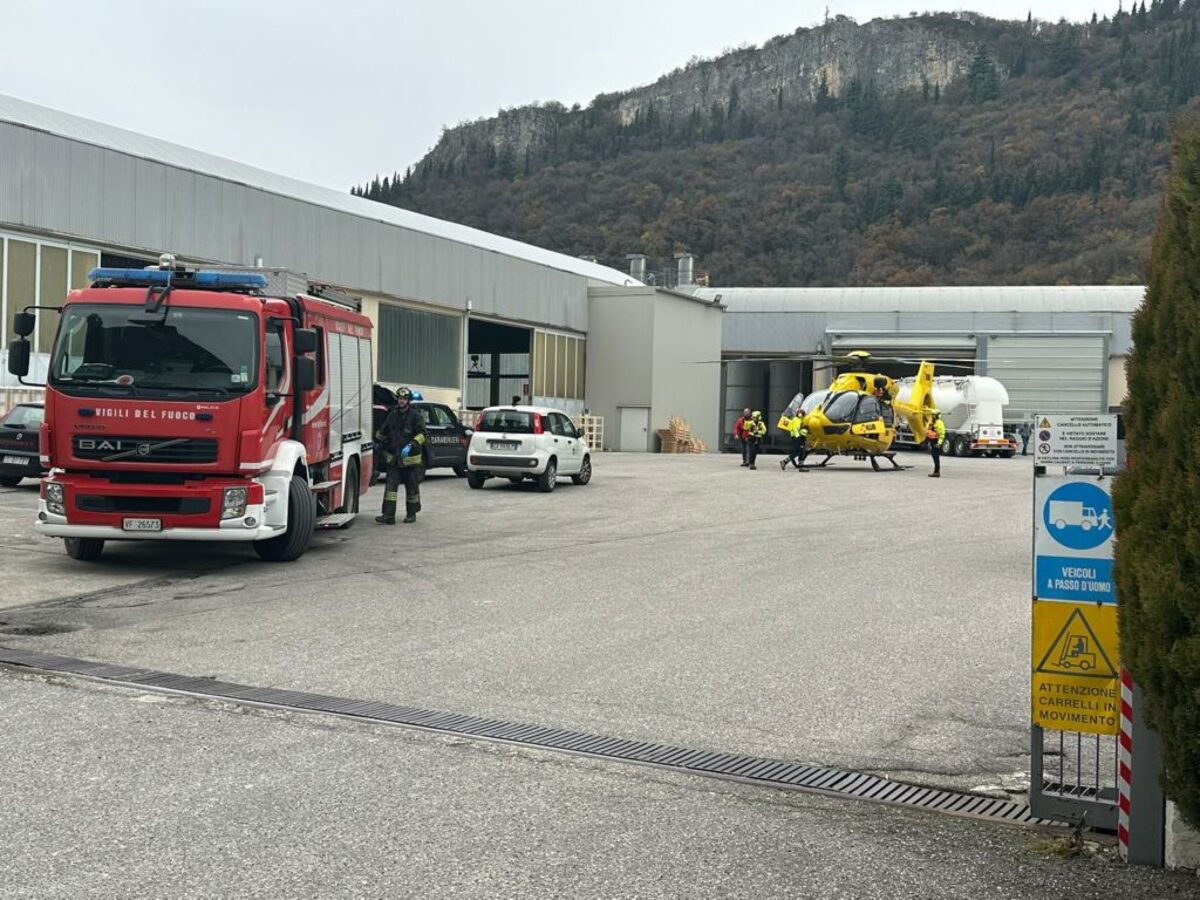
[1076,654]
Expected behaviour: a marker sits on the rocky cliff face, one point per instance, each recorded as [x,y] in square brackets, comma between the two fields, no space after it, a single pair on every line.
[892,55]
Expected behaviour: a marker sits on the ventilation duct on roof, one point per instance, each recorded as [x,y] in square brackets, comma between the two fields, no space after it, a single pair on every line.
[685,261]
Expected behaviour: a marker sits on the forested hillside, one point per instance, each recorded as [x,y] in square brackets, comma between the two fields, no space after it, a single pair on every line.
[1025,153]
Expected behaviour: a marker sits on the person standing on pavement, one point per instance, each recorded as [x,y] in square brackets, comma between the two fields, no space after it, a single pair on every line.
[799,448]
[936,435]
[739,434]
[756,430]
[1025,431]
[401,439]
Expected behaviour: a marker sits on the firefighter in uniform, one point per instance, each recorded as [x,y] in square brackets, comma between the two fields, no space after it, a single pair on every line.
[401,440]
[936,435]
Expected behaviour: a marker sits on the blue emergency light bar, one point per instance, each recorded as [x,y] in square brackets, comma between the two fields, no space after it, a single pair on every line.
[165,277]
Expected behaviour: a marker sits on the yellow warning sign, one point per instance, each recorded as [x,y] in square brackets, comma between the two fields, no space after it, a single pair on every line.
[1076,667]
[1045,423]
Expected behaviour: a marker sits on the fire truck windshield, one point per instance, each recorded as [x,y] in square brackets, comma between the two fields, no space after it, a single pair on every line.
[122,350]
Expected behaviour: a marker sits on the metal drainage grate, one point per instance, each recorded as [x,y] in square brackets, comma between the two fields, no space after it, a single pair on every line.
[749,769]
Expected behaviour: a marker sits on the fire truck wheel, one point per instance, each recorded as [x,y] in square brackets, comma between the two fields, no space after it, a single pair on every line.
[350,499]
[301,520]
[85,549]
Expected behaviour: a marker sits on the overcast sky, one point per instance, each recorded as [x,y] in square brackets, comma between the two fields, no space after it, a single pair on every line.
[333,91]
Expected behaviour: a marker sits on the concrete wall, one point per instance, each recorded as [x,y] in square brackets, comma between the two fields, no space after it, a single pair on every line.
[687,371]
[655,349]
[620,345]
[1182,842]
[1118,384]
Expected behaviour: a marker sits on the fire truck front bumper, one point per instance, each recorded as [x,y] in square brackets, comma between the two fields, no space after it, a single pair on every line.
[51,525]
[82,507]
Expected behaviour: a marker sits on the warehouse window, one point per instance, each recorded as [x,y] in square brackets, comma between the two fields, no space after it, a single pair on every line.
[52,288]
[558,366]
[82,262]
[21,276]
[34,273]
[417,347]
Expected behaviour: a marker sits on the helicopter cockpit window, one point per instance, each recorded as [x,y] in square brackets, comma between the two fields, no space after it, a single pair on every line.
[889,414]
[840,408]
[812,401]
[868,410]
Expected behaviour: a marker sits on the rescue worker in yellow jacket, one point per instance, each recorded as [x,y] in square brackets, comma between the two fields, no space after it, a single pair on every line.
[936,436]
[799,449]
[756,430]
[401,440]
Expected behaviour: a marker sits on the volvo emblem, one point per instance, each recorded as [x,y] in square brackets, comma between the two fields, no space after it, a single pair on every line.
[143,449]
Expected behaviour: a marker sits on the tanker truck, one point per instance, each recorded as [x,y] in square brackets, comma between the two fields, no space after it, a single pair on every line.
[973,409]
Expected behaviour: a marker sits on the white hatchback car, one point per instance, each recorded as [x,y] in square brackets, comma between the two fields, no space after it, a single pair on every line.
[519,442]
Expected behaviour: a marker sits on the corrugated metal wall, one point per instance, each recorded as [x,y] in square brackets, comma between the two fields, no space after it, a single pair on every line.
[55,185]
[419,347]
[1050,373]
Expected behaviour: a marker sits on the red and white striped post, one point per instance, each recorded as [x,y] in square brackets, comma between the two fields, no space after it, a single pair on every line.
[1125,764]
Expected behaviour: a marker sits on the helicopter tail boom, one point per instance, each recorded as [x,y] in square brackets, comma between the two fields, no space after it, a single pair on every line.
[916,409]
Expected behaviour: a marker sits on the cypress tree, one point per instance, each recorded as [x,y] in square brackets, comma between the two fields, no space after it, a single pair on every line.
[1158,496]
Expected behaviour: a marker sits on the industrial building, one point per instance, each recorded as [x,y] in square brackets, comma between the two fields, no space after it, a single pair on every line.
[473,319]
[467,317]
[1056,349]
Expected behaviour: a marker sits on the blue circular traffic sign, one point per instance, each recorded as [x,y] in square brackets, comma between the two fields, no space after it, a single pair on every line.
[1079,516]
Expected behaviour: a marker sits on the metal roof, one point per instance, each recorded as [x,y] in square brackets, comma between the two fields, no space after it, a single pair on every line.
[88,131]
[1049,299]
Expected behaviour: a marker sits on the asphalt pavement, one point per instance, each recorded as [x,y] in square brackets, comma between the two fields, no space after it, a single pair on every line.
[873,621]
[115,794]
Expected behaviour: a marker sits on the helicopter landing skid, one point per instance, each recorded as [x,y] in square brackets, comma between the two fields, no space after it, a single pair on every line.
[890,457]
[822,464]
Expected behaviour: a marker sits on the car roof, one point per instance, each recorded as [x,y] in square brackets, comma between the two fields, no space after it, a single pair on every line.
[537,409]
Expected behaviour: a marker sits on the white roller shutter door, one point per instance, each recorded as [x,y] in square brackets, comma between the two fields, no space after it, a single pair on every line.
[1049,373]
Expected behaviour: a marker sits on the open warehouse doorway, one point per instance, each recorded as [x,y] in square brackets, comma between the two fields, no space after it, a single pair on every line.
[766,385]
[497,363]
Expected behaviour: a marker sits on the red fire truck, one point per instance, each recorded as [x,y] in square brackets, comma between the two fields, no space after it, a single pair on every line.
[202,406]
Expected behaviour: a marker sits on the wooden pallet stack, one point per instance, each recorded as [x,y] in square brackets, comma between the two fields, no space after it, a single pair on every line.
[593,431]
[677,437]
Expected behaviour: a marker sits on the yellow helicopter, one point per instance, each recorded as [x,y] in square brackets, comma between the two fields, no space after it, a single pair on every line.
[856,415]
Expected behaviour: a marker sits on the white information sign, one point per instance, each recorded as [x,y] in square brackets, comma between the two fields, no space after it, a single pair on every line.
[1075,440]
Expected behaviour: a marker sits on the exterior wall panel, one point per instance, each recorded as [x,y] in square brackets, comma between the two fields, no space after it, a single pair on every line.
[112,220]
[1049,373]
[50,196]
[60,186]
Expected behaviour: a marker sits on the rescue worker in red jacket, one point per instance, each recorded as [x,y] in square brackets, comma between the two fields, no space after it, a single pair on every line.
[401,440]
[739,434]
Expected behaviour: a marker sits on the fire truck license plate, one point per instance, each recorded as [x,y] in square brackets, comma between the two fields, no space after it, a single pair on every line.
[142,524]
[16,460]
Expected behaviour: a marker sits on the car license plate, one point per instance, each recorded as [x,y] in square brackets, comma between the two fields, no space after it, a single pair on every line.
[16,460]
[504,445]
[142,525]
